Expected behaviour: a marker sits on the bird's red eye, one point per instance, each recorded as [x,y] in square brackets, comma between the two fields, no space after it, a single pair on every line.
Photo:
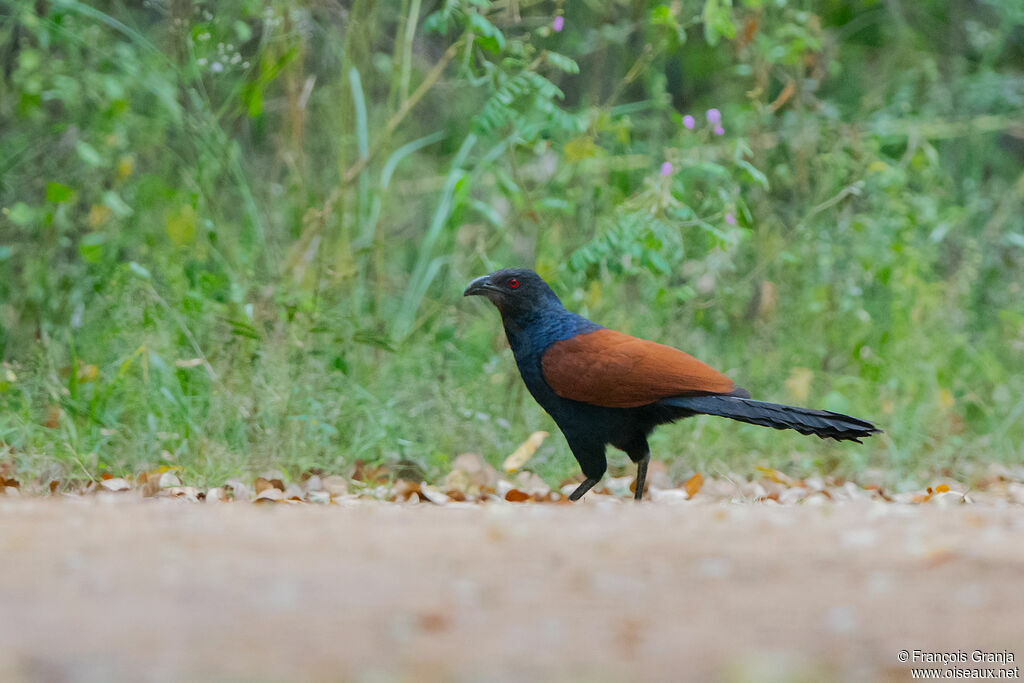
[512,284]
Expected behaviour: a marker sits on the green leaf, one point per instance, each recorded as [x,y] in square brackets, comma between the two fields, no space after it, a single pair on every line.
[436,22]
[374,339]
[88,153]
[487,34]
[663,16]
[21,214]
[562,62]
[180,224]
[242,31]
[581,148]
[139,270]
[242,328]
[489,212]
[755,175]
[252,94]
[658,263]
[58,193]
[113,201]
[555,204]
[718,21]
[359,105]
[90,247]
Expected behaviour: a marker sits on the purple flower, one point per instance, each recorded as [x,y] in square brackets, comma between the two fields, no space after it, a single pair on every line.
[719,130]
[666,168]
[730,218]
[558,24]
[688,122]
[714,116]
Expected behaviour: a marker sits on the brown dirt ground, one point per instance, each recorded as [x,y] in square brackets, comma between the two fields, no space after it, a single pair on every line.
[161,590]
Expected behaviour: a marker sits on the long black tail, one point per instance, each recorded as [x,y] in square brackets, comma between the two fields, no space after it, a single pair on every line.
[821,423]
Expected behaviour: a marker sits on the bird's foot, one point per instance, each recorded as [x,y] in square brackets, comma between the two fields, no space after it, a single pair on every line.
[583,488]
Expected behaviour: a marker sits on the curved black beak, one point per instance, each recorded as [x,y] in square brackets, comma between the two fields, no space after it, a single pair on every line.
[480,287]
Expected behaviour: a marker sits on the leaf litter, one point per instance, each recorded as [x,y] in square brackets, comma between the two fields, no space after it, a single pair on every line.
[472,479]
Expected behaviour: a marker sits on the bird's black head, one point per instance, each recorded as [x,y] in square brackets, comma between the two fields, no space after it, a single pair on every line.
[517,292]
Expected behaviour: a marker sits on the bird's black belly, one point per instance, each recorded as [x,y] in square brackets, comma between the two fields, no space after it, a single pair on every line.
[589,428]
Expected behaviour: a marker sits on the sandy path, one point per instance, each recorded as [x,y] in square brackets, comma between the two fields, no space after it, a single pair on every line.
[164,590]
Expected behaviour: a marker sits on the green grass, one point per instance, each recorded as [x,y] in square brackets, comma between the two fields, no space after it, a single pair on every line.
[234,236]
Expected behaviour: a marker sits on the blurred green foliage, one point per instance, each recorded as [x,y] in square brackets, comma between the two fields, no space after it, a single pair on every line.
[234,235]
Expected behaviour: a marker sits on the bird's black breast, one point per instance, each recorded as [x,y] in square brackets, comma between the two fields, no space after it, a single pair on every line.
[585,422]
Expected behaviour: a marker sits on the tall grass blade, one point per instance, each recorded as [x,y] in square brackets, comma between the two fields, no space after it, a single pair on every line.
[425,270]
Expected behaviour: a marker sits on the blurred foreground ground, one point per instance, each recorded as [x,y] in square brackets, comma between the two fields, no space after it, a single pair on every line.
[161,590]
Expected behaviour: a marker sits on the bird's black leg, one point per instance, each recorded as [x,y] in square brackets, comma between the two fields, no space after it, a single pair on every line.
[638,451]
[589,454]
[641,476]
[583,488]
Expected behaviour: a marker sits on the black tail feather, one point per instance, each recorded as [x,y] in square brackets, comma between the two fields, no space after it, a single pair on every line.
[821,423]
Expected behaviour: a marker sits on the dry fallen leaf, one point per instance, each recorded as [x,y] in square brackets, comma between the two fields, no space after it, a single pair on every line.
[406,490]
[115,484]
[150,483]
[188,493]
[236,489]
[517,496]
[169,480]
[272,477]
[319,497]
[335,485]
[270,495]
[522,455]
[433,495]
[531,483]
[435,621]
[458,482]
[775,476]
[632,486]
[87,373]
[936,557]
[470,475]
[372,475]
[693,484]
[947,498]
[53,414]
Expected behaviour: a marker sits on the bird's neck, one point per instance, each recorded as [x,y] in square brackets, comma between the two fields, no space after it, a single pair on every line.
[531,333]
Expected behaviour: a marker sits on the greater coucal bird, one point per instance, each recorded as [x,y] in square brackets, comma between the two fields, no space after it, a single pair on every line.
[604,387]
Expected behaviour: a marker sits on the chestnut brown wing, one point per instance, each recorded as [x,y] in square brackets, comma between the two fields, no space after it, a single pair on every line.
[608,368]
